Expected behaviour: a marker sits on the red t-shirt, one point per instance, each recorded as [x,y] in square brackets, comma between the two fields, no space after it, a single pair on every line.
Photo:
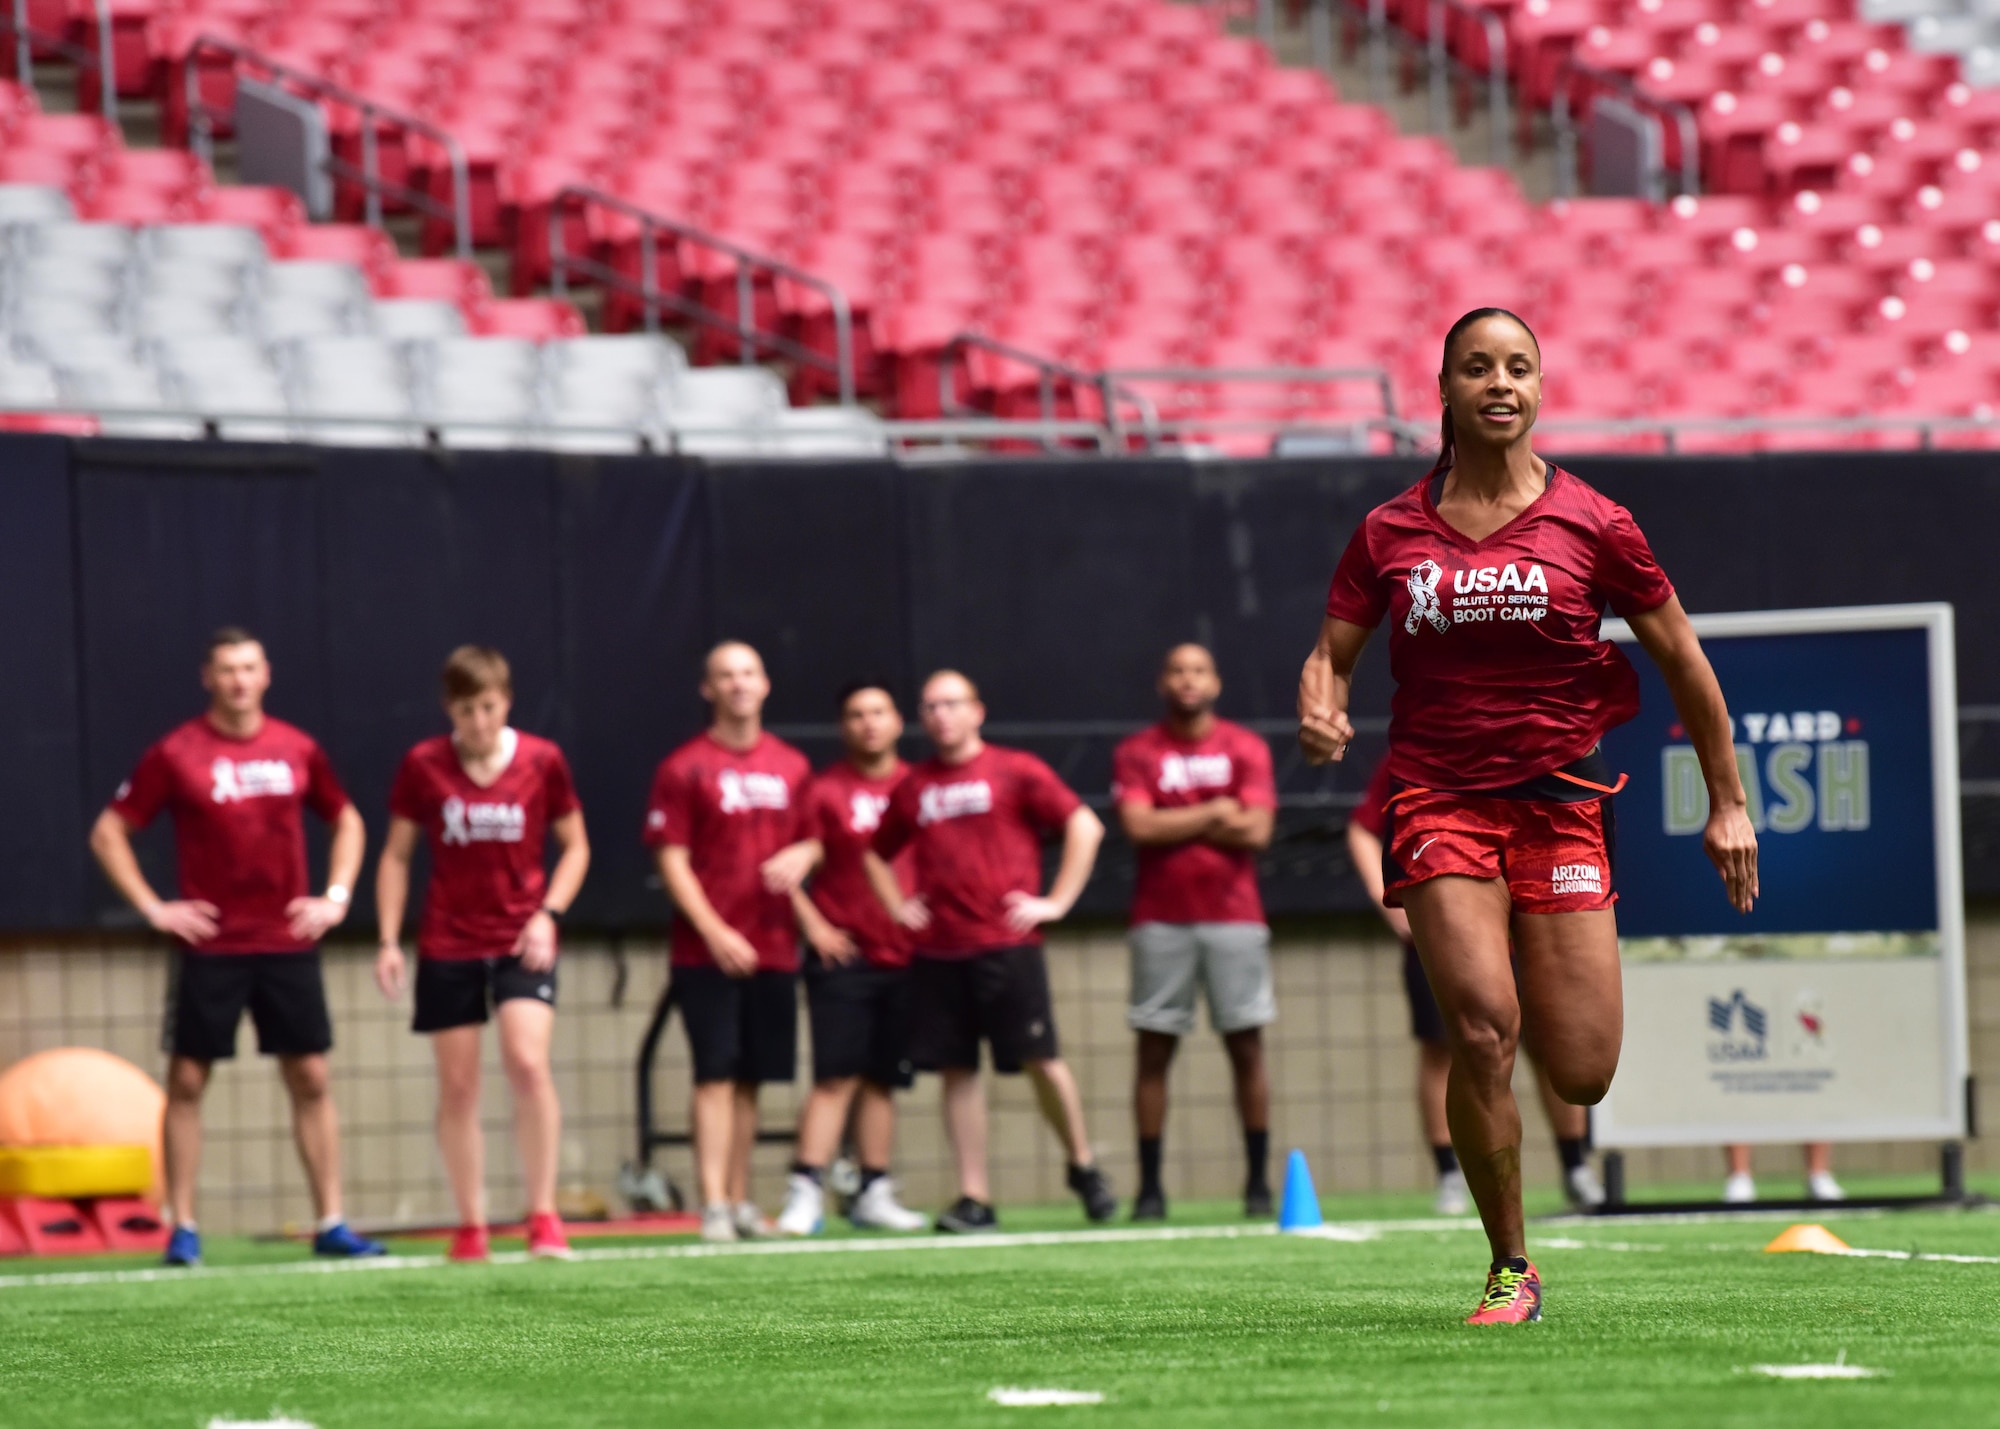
[977,829]
[1372,813]
[238,837]
[843,810]
[731,810]
[1500,672]
[487,877]
[1194,882]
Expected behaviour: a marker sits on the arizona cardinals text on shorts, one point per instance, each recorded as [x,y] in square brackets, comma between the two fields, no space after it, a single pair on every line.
[1554,857]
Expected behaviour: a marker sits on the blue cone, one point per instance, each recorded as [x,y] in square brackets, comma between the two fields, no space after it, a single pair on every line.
[1300,1209]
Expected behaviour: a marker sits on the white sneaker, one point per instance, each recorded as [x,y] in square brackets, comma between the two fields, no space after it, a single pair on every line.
[1453,1198]
[718,1224]
[1740,1189]
[1584,1190]
[805,1207]
[1822,1187]
[877,1209]
[750,1222]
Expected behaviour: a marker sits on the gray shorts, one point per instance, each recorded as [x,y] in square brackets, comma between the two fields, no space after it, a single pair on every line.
[1232,961]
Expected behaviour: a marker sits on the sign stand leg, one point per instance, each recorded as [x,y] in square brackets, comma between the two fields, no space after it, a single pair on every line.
[1952,1164]
[1614,1178]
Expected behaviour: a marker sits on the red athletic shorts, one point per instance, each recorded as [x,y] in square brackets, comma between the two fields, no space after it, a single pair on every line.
[1554,857]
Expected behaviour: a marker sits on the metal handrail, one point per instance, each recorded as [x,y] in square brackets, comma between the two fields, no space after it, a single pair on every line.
[26,37]
[374,117]
[749,265]
[1572,70]
[1496,70]
[1048,372]
[1329,375]
[666,435]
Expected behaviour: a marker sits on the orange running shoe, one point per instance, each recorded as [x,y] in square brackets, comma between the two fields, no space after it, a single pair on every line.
[469,1243]
[546,1240]
[1513,1294]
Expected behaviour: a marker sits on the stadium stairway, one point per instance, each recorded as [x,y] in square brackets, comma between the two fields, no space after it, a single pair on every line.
[1118,186]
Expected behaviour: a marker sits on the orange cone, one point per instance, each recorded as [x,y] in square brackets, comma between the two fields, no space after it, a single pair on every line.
[1816,1239]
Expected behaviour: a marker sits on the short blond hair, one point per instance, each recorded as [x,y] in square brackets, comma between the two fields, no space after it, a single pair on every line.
[950,674]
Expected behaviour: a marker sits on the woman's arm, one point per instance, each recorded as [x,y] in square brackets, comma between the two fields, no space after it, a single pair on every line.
[1366,851]
[1324,684]
[392,900]
[1668,637]
[536,946]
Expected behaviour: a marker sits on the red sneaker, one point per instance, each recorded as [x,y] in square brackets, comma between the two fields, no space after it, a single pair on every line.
[469,1243]
[546,1240]
[1513,1295]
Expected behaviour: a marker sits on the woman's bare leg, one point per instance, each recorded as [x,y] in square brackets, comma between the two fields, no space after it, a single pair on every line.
[1461,928]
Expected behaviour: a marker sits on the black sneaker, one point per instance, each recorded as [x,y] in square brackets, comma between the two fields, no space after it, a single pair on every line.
[1257,1202]
[968,1217]
[1093,1188]
[1149,1206]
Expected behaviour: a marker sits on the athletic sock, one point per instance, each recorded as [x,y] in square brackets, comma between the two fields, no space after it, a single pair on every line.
[1571,1149]
[1446,1158]
[870,1175]
[1517,1264]
[813,1174]
[327,1223]
[1257,1151]
[1149,1165]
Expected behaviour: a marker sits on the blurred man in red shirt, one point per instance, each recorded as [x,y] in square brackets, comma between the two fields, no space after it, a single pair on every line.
[976,815]
[858,976]
[236,783]
[722,805]
[1196,796]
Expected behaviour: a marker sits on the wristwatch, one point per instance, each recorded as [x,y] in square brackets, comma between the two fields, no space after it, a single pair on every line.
[337,893]
[555,914]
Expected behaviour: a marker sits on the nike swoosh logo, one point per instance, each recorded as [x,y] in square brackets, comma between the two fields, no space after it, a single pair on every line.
[1422,846]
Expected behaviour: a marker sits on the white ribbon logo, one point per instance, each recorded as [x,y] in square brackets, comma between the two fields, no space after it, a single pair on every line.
[1424,577]
[455,831]
[227,790]
[867,810]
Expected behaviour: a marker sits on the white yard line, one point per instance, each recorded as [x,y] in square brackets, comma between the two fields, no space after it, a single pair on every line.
[1338,1231]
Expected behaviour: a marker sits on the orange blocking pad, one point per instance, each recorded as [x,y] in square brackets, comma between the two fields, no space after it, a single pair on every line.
[1809,1237]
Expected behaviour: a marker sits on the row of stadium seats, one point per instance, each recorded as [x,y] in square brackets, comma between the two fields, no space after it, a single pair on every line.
[1788,94]
[198,317]
[1116,186]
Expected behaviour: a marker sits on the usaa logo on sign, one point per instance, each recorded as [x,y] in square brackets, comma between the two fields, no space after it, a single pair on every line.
[1800,768]
[1737,1028]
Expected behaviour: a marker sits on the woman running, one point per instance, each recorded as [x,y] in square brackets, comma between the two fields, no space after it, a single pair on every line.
[1494,571]
[484,797]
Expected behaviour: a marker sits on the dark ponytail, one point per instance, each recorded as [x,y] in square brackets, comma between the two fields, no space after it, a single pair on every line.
[1448,441]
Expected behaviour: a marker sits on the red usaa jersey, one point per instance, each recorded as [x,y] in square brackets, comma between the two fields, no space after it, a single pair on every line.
[977,830]
[239,839]
[486,843]
[844,808]
[1194,882]
[1500,672]
[731,810]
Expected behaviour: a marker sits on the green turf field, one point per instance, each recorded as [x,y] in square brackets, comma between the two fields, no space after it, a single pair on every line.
[1648,1323]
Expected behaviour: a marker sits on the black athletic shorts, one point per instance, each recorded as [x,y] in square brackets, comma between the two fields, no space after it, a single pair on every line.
[207,992]
[860,1018]
[1000,997]
[740,1029]
[459,992]
[1426,1021]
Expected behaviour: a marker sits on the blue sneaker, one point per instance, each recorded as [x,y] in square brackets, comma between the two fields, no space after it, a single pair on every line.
[341,1241]
[184,1246]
